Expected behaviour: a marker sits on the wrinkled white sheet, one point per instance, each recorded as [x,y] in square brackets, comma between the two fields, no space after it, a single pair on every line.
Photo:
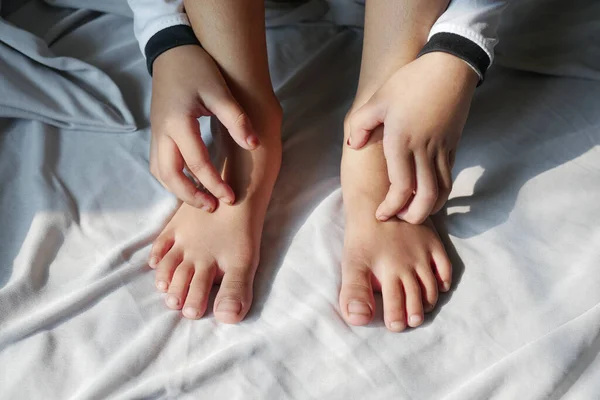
[80,319]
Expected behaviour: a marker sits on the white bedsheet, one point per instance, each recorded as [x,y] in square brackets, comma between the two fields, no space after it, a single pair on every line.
[80,319]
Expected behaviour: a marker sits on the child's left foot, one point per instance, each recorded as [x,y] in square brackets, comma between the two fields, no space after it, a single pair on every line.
[406,263]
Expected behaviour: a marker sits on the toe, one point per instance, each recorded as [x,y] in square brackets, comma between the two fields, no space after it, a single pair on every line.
[179,286]
[443,268]
[356,295]
[414,302]
[429,287]
[197,297]
[160,247]
[394,309]
[235,295]
[166,267]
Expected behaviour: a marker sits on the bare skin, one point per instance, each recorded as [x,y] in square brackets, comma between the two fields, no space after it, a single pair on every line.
[406,263]
[422,105]
[197,249]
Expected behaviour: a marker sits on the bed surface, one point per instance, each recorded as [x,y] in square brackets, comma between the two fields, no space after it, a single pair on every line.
[79,316]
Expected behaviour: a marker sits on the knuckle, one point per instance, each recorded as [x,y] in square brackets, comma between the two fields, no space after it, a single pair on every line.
[242,121]
[197,167]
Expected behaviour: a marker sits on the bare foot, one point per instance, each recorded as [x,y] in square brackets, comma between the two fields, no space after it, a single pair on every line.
[197,249]
[406,263]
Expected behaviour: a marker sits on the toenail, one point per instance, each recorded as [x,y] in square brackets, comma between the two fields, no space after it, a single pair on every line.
[190,312]
[229,306]
[153,261]
[429,307]
[356,307]
[172,301]
[207,208]
[415,320]
[397,326]
[161,285]
[446,286]
[226,200]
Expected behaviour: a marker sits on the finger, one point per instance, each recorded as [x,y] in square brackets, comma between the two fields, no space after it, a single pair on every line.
[363,121]
[444,179]
[401,171]
[426,190]
[197,160]
[229,112]
[171,173]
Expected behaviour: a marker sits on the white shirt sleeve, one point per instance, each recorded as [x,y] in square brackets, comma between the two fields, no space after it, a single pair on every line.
[476,20]
[152,16]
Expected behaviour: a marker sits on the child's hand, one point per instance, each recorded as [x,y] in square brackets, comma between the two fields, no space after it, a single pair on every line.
[186,85]
[423,108]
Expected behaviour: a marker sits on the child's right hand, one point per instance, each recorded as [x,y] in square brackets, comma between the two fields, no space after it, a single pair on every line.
[187,84]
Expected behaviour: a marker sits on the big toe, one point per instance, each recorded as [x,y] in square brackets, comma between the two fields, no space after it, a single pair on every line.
[356,295]
[235,296]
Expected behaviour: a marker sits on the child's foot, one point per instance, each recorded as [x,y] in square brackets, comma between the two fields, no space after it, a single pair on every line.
[198,249]
[406,263]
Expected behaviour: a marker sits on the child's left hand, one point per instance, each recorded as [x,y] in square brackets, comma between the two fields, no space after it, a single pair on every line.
[423,108]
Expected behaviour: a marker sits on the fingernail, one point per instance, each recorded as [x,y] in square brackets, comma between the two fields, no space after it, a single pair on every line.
[162,285]
[190,312]
[415,320]
[229,306]
[226,200]
[252,141]
[356,307]
[172,301]
[153,261]
[382,217]
[397,326]
[446,286]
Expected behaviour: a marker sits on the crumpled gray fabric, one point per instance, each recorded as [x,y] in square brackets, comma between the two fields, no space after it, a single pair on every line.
[37,84]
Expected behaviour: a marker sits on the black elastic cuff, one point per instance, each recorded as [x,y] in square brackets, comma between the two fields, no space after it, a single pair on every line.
[168,38]
[460,47]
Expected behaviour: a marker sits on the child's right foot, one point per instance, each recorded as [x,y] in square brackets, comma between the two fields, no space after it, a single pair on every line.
[198,249]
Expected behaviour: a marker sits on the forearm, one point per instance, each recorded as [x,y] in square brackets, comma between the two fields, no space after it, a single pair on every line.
[395,32]
[241,54]
[233,33]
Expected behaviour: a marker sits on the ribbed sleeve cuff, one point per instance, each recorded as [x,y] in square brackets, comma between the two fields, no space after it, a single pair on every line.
[460,47]
[166,39]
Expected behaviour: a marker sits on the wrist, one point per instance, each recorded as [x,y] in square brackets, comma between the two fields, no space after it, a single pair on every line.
[455,68]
